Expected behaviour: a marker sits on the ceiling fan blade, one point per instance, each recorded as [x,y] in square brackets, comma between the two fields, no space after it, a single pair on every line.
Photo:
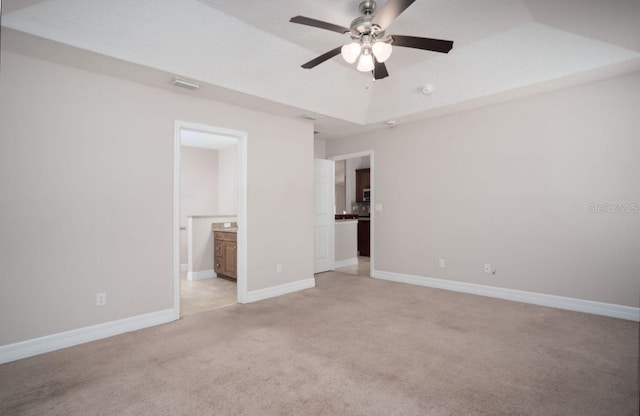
[436,45]
[319,24]
[380,70]
[324,57]
[388,13]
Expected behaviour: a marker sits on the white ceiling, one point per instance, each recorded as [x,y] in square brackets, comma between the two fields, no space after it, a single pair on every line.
[246,52]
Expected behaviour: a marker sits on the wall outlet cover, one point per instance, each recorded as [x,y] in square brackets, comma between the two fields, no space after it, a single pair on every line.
[101,299]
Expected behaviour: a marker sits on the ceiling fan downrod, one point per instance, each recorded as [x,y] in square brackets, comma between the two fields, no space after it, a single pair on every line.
[367,7]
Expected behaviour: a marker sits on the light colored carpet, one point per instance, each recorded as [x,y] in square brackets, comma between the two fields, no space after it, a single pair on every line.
[351,346]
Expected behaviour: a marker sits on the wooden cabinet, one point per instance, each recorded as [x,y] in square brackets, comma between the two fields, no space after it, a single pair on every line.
[363,180]
[225,254]
[364,231]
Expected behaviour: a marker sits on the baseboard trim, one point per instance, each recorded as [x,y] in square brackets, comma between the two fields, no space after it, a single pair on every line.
[559,302]
[345,263]
[272,292]
[36,346]
[201,275]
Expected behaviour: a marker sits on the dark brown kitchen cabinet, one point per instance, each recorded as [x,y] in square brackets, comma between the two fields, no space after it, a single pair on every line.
[364,231]
[225,254]
[363,181]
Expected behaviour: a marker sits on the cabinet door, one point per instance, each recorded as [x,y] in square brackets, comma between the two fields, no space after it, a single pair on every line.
[225,254]
[364,238]
[230,258]
[218,258]
[363,179]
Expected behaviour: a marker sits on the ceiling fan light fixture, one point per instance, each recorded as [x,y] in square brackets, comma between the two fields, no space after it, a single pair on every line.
[382,50]
[365,63]
[351,51]
[370,46]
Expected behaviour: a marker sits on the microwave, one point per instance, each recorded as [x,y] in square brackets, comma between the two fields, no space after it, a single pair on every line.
[366,194]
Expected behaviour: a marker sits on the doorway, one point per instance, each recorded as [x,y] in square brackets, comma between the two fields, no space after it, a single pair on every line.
[354,186]
[210,178]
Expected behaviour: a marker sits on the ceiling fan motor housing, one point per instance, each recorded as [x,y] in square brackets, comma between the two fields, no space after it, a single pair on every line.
[362,26]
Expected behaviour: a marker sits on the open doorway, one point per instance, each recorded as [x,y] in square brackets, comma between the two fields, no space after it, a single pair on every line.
[354,187]
[209,213]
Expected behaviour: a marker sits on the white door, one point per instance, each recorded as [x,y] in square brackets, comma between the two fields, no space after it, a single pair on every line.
[325,217]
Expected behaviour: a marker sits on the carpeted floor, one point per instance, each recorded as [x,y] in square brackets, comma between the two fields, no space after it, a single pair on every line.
[351,346]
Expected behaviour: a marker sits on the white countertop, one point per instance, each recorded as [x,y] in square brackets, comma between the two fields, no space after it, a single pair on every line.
[351,221]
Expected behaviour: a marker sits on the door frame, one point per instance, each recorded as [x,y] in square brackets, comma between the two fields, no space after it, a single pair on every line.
[242,277]
[369,153]
[330,206]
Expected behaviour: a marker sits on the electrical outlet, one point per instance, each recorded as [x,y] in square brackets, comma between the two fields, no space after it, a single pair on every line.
[101,299]
[279,268]
[487,268]
[441,263]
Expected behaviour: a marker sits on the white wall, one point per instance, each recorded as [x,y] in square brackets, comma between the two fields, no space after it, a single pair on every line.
[346,236]
[86,190]
[199,189]
[512,185]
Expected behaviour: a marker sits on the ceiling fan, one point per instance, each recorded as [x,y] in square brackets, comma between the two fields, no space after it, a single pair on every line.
[370,46]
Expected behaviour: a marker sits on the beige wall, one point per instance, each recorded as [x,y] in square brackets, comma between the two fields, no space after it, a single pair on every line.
[340,190]
[86,190]
[228,181]
[202,258]
[352,165]
[512,185]
[199,191]
[319,149]
[199,181]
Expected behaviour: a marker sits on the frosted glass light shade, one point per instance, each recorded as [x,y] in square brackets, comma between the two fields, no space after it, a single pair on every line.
[365,64]
[381,50]
[351,51]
